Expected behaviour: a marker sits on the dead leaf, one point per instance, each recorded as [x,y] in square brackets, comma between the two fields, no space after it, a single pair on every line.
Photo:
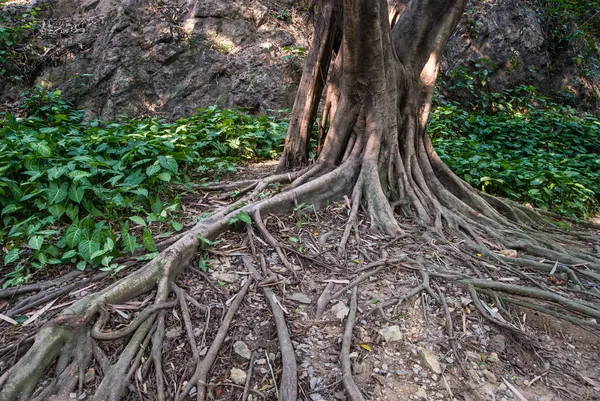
[8,320]
[39,313]
[514,390]
[365,346]
[511,253]
[593,382]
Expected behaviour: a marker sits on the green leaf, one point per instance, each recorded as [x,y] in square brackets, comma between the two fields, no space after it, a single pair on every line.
[57,194]
[36,242]
[81,265]
[12,256]
[177,226]
[73,235]
[151,170]
[76,193]
[164,176]
[9,209]
[129,242]
[41,148]
[69,254]
[168,163]
[148,241]
[138,220]
[77,175]
[243,216]
[57,210]
[87,248]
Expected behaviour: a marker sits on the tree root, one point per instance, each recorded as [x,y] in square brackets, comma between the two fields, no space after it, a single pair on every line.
[288,389]
[199,378]
[351,388]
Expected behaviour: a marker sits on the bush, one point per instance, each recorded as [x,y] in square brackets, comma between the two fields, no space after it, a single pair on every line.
[82,192]
[523,147]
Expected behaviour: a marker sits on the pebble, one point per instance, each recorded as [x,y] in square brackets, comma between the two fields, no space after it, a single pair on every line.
[300,298]
[238,376]
[490,376]
[240,348]
[430,359]
[391,333]
[402,372]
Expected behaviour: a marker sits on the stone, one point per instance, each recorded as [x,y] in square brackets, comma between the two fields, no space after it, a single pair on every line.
[240,348]
[238,376]
[89,376]
[430,359]
[511,253]
[391,333]
[300,298]
[490,376]
[340,310]
[498,343]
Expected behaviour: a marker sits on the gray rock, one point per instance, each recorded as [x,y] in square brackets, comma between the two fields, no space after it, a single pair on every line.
[238,376]
[391,333]
[299,297]
[430,360]
[240,348]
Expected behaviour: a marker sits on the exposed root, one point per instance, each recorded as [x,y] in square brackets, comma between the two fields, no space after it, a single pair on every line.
[351,388]
[199,378]
[288,388]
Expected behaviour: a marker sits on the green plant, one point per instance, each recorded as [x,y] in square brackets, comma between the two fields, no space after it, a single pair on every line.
[523,147]
[86,192]
[18,29]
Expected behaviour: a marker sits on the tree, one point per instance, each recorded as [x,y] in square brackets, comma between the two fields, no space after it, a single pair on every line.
[379,69]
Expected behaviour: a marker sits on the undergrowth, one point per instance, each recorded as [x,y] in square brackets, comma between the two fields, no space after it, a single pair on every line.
[86,192]
[519,145]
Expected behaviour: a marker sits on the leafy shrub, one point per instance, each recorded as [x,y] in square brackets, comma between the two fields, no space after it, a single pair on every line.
[82,192]
[523,147]
[18,26]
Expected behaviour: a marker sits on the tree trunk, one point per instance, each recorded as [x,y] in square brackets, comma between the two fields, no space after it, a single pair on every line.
[378,102]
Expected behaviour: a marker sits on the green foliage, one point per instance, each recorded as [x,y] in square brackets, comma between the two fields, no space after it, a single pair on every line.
[18,28]
[73,191]
[523,147]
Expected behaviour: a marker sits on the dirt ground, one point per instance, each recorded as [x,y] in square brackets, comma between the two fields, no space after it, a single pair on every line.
[416,349]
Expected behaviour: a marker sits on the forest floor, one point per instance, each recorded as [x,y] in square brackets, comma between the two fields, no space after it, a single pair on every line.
[406,354]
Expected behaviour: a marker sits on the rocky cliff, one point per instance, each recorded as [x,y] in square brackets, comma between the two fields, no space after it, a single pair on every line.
[135,58]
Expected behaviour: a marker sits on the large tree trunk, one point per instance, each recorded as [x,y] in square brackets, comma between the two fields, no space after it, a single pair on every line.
[378,103]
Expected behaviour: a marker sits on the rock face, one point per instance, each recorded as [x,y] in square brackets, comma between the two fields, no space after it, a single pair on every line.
[135,58]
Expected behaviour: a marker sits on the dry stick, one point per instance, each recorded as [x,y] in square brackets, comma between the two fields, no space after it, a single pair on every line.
[288,388]
[486,314]
[351,388]
[156,354]
[139,319]
[550,312]
[450,331]
[138,359]
[249,376]
[272,241]
[11,292]
[187,320]
[202,368]
[534,293]
[324,300]
[44,297]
